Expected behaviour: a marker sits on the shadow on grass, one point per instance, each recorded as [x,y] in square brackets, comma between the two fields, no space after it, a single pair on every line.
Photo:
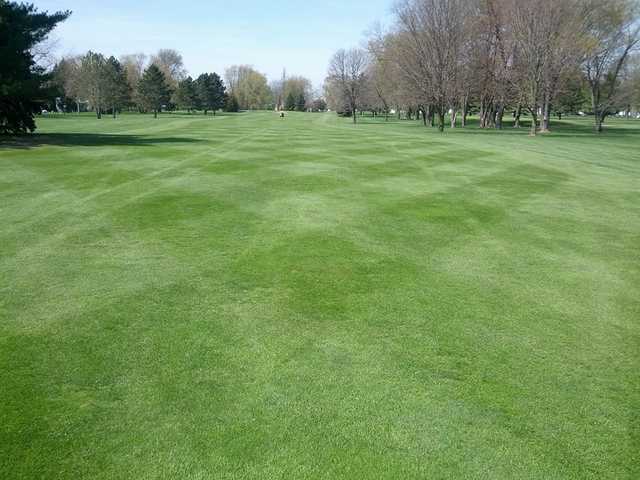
[88,140]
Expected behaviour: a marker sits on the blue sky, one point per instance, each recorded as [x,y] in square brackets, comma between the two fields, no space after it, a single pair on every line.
[211,35]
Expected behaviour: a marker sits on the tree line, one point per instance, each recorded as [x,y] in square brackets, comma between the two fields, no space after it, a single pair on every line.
[160,81]
[444,59]
[109,84]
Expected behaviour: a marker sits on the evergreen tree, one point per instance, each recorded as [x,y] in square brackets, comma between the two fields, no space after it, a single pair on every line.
[117,90]
[153,90]
[290,102]
[301,104]
[21,80]
[211,92]
[231,104]
[186,95]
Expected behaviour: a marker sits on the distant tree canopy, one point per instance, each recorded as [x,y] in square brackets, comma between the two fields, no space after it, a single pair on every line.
[22,27]
[231,104]
[186,95]
[290,102]
[210,92]
[153,90]
[249,87]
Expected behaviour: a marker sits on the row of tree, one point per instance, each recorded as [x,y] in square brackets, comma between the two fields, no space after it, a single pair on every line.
[451,57]
[160,81]
[111,84]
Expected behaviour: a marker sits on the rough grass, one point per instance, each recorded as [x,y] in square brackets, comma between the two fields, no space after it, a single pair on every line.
[251,297]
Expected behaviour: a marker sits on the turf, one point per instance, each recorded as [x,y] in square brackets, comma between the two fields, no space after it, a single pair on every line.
[251,297]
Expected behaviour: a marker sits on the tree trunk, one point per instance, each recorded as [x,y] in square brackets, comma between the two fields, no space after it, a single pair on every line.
[99,113]
[516,123]
[499,117]
[454,117]
[354,112]
[465,111]
[546,109]
[114,112]
[599,122]
[441,114]
[534,122]
[155,113]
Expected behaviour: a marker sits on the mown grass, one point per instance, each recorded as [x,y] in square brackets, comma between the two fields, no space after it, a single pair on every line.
[252,297]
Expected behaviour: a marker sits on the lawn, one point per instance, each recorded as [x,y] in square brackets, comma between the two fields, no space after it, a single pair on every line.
[253,297]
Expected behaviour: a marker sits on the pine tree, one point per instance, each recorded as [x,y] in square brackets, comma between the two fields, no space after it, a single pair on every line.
[186,95]
[301,104]
[290,102]
[117,88]
[153,90]
[21,80]
[211,92]
[231,104]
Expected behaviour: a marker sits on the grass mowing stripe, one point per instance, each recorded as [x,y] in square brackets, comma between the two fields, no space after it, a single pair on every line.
[305,298]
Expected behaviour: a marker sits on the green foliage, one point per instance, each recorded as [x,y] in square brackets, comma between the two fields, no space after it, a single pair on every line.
[231,104]
[319,105]
[574,96]
[301,103]
[21,80]
[211,92]
[153,90]
[186,95]
[290,102]
[117,90]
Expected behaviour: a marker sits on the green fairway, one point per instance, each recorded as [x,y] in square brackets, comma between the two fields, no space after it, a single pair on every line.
[253,297]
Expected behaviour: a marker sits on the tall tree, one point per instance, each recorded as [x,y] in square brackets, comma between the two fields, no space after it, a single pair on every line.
[134,65]
[170,62]
[432,34]
[93,79]
[117,90]
[301,103]
[186,95]
[153,90]
[290,102]
[612,32]
[249,86]
[231,104]
[66,75]
[347,70]
[211,92]
[22,28]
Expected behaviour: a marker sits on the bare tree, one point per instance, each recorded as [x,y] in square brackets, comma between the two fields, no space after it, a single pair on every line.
[134,66]
[431,38]
[382,71]
[249,87]
[67,74]
[347,70]
[93,81]
[170,63]
[612,33]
